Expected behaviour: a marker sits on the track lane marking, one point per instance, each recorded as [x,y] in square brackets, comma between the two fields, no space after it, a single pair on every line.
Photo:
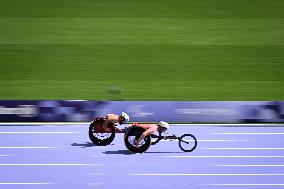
[26,147]
[243,165]
[242,148]
[37,132]
[247,133]
[47,164]
[204,174]
[96,174]
[25,183]
[212,140]
[223,156]
[95,183]
[242,184]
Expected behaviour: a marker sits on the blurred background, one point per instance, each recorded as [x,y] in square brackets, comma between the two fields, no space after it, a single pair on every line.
[142,50]
[181,61]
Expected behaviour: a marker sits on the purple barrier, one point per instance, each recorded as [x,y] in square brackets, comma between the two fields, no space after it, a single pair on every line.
[199,111]
[143,111]
[48,110]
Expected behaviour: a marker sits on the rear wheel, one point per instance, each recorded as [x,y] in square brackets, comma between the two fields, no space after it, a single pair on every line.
[100,136]
[132,135]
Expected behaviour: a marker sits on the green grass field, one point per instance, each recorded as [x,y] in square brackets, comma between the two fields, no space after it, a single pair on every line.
[150,49]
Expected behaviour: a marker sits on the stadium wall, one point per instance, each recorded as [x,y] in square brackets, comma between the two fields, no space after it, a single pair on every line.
[143,111]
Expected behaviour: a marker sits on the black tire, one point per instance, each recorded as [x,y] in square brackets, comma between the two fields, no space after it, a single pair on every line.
[101,139]
[190,146]
[134,133]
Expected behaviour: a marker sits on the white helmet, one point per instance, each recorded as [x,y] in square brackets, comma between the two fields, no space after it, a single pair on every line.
[125,117]
[164,124]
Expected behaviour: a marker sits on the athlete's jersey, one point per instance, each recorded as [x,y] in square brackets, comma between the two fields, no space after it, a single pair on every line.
[149,127]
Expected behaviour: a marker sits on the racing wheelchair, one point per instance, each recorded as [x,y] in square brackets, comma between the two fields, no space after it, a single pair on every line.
[186,142]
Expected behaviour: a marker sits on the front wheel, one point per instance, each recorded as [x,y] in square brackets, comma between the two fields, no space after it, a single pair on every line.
[187,142]
[133,135]
[100,136]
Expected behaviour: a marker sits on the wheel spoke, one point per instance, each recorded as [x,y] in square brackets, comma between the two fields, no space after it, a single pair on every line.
[187,143]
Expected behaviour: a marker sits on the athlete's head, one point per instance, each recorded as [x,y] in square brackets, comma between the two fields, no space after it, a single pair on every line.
[163,126]
[123,118]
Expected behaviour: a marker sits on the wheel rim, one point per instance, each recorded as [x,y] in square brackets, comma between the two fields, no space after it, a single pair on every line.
[101,135]
[187,143]
[134,134]
[131,139]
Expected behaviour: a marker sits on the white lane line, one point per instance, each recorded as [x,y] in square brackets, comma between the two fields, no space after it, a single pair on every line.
[95,183]
[202,174]
[255,165]
[5,155]
[25,147]
[101,147]
[242,148]
[52,164]
[247,133]
[98,156]
[223,156]
[226,140]
[242,184]
[24,183]
[213,140]
[37,132]
[96,174]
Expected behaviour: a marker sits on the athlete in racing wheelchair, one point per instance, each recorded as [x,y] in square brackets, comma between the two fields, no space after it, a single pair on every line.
[102,129]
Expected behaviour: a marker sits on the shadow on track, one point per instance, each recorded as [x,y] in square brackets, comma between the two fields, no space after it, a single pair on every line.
[124,152]
[163,152]
[84,145]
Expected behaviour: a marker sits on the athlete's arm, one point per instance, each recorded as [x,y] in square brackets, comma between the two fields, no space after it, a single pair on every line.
[146,133]
[141,138]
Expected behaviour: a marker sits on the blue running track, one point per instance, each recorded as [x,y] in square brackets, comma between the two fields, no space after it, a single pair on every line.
[61,156]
